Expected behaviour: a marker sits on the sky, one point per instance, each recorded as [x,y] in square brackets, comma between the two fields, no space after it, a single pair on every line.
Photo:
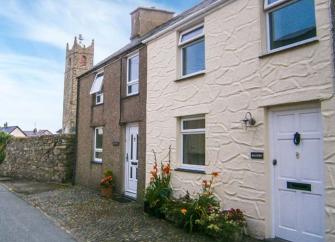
[33,37]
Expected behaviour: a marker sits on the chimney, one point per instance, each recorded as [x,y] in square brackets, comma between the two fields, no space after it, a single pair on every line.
[144,20]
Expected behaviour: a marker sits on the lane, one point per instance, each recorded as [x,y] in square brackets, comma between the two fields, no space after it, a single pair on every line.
[19,222]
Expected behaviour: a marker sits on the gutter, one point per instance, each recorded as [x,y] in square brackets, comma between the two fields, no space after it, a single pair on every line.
[189,18]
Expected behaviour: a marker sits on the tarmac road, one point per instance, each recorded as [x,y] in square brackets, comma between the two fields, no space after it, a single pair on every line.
[20,222]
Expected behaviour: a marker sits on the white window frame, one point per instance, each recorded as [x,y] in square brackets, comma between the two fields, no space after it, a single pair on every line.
[134,81]
[101,95]
[191,131]
[269,8]
[102,82]
[95,149]
[187,43]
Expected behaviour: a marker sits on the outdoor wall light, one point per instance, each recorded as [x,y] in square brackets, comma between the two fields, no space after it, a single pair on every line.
[248,120]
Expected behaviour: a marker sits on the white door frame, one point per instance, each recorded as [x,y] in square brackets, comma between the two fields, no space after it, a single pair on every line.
[126,162]
[271,141]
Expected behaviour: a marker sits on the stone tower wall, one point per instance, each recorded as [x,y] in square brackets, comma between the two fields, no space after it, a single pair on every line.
[78,60]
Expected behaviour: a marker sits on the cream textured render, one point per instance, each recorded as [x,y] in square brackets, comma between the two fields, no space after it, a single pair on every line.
[239,79]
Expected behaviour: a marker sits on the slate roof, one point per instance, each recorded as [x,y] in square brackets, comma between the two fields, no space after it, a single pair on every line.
[138,41]
[9,129]
[38,133]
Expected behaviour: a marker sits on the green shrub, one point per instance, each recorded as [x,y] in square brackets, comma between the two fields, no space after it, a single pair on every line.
[4,138]
[199,214]
[185,212]
[159,191]
[227,225]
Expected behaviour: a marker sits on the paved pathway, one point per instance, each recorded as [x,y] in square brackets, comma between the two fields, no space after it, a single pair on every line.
[19,222]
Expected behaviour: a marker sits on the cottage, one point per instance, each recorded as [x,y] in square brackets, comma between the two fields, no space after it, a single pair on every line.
[12,130]
[111,104]
[246,88]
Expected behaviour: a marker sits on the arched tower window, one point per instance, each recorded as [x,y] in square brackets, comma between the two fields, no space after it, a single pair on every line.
[83,60]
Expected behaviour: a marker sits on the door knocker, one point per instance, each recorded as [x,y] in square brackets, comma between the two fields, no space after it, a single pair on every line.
[297,138]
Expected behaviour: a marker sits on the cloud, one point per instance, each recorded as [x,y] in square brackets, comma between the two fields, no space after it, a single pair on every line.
[29,92]
[31,88]
[57,22]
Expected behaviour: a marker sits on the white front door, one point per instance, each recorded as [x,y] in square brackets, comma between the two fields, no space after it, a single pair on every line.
[131,166]
[298,202]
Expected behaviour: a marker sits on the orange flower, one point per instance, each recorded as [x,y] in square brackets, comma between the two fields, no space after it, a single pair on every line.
[154,173]
[205,184]
[183,211]
[166,169]
[215,173]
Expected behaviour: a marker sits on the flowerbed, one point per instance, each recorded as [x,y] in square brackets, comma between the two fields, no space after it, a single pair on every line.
[200,214]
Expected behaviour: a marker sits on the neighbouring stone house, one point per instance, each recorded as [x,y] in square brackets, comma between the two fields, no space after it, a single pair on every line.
[111,124]
[12,130]
[246,88]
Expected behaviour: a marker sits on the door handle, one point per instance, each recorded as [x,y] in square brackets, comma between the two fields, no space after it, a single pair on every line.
[134,163]
[274,162]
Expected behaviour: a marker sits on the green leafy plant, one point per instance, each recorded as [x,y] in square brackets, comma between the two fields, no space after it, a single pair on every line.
[107,181]
[159,191]
[4,138]
[227,225]
[199,214]
[185,212]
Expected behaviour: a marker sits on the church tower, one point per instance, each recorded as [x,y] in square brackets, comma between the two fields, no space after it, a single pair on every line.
[78,60]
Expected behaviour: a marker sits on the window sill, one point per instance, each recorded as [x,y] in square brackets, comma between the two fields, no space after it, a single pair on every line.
[96,162]
[287,48]
[97,105]
[189,170]
[129,96]
[197,74]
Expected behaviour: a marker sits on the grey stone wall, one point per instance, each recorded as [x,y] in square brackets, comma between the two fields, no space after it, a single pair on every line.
[46,158]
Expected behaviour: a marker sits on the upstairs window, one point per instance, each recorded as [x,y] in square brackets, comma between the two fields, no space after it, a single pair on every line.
[133,74]
[99,98]
[97,152]
[97,88]
[290,22]
[192,45]
[193,141]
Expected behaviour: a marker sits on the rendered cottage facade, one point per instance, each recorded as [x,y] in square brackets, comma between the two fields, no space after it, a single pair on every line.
[271,62]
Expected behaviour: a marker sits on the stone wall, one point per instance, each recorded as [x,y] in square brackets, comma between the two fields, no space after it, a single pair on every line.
[46,158]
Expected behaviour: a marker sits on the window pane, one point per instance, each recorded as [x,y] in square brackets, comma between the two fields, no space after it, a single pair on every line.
[194,124]
[194,149]
[192,34]
[99,98]
[97,84]
[292,23]
[98,155]
[133,71]
[98,139]
[133,89]
[194,57]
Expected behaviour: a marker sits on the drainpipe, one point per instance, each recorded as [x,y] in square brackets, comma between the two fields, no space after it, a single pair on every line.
[76,136]
[332,15]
